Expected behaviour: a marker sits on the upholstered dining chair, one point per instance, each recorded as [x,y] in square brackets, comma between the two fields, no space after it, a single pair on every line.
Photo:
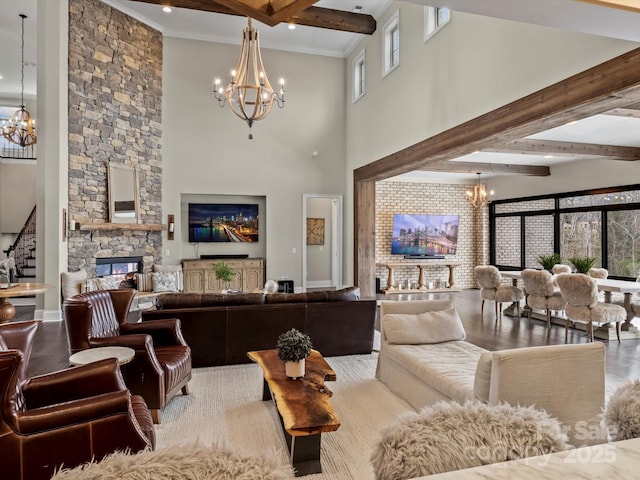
[559,268]
[491,288]
[542,292]
[598,272]
[162,363]
[581,294]
[66,418]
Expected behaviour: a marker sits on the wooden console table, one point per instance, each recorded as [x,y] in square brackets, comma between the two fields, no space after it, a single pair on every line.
[421,266]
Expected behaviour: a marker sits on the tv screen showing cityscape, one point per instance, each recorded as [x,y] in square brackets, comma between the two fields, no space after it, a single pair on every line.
[424,235]
[223,222]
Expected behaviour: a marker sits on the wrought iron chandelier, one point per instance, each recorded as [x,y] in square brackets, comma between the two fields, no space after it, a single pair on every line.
[478,196]
[21,128]
[249,94]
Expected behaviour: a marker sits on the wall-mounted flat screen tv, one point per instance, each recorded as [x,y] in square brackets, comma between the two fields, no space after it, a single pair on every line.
[424,235]
[223,222]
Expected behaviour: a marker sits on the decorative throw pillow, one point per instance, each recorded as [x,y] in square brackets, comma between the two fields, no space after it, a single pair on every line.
[427,327]
[211,463]
[177,269]
[107,283]
[621,416]
[72,283]
[90,285]
[449,436]
[164,282]
[144,282]
[482,380]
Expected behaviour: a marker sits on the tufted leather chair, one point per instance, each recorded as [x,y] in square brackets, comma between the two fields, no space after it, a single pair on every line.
[19,336]
[66,418]
[162,363]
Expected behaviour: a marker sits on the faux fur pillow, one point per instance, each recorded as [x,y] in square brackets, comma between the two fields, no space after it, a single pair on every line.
[428,327]
[449,436]
[621,416]
[179,462]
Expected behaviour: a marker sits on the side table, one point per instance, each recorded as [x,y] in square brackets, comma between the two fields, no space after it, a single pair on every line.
[122,354]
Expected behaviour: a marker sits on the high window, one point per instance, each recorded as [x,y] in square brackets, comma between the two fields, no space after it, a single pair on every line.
[358,76]
[391,47]
[605,226]
[434,19]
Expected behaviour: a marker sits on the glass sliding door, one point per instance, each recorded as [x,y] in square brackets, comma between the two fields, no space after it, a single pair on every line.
[580,236]
[623,243]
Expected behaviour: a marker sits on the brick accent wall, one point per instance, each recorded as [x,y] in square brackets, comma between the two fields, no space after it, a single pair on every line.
[441,199]
[115,100]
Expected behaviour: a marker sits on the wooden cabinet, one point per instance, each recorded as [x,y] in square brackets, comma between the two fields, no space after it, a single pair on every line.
[199,276]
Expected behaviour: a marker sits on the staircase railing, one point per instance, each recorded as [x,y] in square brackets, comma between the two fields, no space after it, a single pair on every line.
[23,247]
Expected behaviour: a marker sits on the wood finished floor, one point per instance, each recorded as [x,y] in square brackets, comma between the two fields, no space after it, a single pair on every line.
[50,351]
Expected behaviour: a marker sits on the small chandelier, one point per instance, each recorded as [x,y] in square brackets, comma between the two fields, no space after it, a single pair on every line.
[477,196]
[21,128]
[249,93]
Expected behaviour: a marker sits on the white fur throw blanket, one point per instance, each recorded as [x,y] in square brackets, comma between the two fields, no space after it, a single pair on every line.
[449,436]
[184,463]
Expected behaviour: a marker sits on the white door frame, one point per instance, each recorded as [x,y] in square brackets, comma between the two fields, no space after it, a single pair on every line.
[336,238]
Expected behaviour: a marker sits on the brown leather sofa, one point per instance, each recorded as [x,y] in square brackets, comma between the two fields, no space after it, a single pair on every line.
[162,363]
[221,329]
[63,418]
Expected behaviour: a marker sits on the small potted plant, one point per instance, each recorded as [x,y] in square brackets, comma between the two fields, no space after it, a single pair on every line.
[548,261]
[225,273]
[582,264]
[293,348]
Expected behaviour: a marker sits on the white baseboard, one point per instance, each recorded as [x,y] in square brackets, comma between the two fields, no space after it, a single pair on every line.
[47,315]
[319,284]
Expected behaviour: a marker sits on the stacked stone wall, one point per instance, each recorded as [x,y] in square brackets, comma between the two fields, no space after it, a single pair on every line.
[115,99]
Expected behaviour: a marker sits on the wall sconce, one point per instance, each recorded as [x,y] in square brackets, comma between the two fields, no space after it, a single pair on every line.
[171,226]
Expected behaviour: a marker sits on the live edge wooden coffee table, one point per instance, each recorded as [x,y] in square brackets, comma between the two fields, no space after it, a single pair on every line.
[303,406]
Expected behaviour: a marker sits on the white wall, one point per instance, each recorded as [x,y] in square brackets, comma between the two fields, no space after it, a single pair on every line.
[471,66]
[568,177]
[206,150]
[17,194]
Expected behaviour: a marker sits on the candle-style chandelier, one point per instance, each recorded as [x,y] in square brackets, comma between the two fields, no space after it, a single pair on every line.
[249,94]
[21,128]
[478,195]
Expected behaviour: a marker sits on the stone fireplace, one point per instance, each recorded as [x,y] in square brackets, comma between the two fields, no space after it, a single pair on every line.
[118,266]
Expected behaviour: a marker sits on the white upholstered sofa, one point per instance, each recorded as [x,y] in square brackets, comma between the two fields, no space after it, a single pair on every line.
[565,380]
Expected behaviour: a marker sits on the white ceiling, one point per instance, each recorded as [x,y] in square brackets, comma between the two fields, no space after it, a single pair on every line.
[567,14]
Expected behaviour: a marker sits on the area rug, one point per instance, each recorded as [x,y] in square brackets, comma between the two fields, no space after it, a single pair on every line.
[225,407]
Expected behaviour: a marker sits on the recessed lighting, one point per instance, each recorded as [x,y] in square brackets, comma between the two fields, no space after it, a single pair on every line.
[571,122]
[357,9]
[292,26]
[548,156]
[0,77]
[166,9]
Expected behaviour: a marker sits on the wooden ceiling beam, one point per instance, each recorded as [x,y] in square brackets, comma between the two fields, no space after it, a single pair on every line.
[284,12]
[311,17]
[612,84]
[254,10]
[336,20]
[483,167]
[566,149]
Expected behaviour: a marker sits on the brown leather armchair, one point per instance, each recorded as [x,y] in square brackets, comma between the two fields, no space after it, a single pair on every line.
[162,363]
[66,418]
[19,336]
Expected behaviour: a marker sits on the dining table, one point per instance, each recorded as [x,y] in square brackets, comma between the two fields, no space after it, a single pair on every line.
[606,285]
[12,290]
